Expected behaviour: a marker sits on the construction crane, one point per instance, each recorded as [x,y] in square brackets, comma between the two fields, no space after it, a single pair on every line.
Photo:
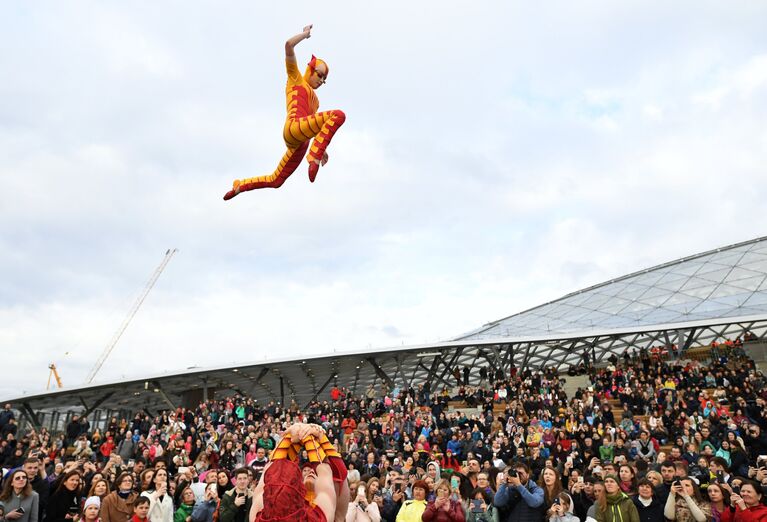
[53,374]
[131,313]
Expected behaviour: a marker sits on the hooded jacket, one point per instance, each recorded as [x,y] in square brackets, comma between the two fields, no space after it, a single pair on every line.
[567,516]
[619,508]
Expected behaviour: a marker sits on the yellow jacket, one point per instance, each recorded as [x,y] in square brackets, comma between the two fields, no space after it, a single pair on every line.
[411,511]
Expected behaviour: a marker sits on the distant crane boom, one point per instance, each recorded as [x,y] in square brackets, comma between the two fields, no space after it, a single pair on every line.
[53,375]
[131,313]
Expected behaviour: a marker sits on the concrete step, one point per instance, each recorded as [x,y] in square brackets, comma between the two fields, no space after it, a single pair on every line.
[572,384]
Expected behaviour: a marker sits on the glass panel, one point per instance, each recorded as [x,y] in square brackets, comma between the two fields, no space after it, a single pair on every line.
[672,285]
[633,291]
[661,315]
[655,292]
[617,321]
[710,309]
[711,267]
[715,275]
[687,268]
[734,300]
[669,277]
[649,279]
[723,291]
[637,308]
[612,289]
[701,292]
[578,298]
[615,305]
[730,257]
[695,282]
[596,301]
[752,283]
[745,310]
[593,317]
[656,301]
[757,301]
[752,257]
[683,308]
[741,273]
[680,298]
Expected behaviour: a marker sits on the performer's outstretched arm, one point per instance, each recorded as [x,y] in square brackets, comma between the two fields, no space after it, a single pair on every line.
[325,492]
[292,42]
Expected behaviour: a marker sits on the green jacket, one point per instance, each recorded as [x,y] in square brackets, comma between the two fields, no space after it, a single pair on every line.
[183,511]
[228,510]
[621,509]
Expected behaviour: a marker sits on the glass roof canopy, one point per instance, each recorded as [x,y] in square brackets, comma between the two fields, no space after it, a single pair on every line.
[726,282]
[690,302]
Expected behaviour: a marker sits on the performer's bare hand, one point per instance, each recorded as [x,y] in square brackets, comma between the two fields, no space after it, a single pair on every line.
[324,159]
[308,31]
[299,431]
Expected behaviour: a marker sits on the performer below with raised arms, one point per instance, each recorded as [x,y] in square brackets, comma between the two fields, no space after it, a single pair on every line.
[302,124]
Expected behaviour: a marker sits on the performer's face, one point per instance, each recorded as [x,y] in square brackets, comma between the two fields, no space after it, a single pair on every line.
[319,76]
[309,478]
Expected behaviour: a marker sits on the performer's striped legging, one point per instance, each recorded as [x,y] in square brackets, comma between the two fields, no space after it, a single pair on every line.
[297,134]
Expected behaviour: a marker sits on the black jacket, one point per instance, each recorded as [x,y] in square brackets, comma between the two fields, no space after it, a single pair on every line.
[651,513]
[62,502]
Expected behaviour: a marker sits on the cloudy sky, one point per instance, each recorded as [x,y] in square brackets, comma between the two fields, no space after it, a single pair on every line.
[495,156]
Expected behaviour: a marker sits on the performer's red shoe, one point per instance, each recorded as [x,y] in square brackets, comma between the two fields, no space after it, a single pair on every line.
[314,168]
[235,190]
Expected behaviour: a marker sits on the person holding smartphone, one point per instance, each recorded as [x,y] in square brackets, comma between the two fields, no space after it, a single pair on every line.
[685,503]
[64,504]
[236,503]
[160,501]
[361,509]
[205,508]
[443,508]
[748,503]
[562,509]
[19,500]
[481,508]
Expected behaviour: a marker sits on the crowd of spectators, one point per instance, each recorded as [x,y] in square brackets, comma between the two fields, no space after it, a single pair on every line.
[654,436]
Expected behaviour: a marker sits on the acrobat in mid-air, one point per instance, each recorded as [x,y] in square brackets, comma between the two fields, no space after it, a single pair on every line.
[302,123]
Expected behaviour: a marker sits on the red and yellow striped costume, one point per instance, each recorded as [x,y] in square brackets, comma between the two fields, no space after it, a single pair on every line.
[318,450]
[302,124]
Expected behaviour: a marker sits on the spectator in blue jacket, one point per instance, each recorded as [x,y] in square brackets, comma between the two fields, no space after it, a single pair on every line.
[520,497]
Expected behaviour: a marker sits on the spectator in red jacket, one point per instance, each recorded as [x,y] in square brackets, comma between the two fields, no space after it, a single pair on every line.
[748,505]
[443,508]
